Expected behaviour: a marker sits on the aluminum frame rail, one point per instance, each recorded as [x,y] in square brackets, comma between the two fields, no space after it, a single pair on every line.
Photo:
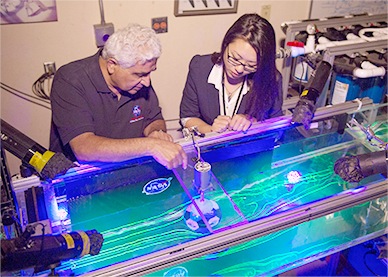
[275,123]
[219,241]
[215,138]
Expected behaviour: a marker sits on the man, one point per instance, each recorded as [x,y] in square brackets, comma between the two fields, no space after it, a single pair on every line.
[104,107]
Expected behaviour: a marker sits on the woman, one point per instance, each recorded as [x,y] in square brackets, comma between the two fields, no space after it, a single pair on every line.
[232,89]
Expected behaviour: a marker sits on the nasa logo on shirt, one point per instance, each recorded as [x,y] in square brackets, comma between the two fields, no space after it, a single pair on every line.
[136,112]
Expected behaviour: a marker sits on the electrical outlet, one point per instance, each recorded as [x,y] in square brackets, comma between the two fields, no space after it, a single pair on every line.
[159,24]
[266,11]
[102,33]
[49,68]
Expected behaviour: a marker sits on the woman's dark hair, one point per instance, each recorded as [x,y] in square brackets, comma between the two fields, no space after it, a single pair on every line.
[259,33]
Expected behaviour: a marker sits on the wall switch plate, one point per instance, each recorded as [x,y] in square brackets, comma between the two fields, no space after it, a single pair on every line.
[102,33]
[159,25]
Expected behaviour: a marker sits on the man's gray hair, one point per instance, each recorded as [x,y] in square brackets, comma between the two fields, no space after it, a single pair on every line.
[132,44]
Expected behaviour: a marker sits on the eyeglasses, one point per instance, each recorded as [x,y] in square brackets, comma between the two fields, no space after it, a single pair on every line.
[233,61]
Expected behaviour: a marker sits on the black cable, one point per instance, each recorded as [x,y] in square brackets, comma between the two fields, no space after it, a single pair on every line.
[23,93]
[17,221]
[41,248]
[301,76]
[25,98]
[38,86]
[373,251]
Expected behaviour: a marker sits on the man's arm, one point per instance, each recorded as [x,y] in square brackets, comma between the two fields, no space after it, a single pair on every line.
[89,147]
[203,127]
[157,129]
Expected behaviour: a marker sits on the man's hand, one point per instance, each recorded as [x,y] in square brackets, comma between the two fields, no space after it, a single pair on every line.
[161,135]
[88,147]
[240,122]
[221,123]
[169,154]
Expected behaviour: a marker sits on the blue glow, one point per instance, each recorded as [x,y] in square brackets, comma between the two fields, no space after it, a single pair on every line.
[294,177]
[63,213]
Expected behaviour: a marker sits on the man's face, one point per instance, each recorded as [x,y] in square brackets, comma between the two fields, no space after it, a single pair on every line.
[132,79]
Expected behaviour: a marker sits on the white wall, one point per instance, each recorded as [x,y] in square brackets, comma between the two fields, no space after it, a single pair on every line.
[25,47]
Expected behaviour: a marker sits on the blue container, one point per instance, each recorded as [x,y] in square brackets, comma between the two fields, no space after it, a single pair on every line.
[347,87]
[374,89]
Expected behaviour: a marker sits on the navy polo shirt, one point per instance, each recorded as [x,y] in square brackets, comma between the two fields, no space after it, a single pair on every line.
[81,101]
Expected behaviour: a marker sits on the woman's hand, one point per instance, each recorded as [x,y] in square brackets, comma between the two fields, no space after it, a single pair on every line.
[221,123]
[241,122]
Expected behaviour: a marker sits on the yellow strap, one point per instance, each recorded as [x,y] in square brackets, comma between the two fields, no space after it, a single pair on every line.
[69,240]
[38,161]
[86,243]
[304,92]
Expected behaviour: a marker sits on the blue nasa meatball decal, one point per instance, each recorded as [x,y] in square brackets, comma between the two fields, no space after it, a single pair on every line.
[157,186]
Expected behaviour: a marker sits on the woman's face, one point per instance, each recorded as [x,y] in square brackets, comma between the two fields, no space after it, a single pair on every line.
[240,59]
